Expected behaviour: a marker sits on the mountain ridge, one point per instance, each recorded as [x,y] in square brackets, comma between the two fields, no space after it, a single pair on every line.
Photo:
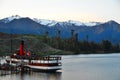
[53,22]
[109,30]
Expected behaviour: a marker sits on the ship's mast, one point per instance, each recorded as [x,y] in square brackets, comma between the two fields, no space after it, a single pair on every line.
[11,45]
[11,42]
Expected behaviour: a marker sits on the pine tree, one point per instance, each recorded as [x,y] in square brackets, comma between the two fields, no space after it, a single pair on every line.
[72,33]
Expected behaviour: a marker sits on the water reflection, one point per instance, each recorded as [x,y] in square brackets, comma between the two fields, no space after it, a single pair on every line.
[78,67]
[33,76]
[41,76]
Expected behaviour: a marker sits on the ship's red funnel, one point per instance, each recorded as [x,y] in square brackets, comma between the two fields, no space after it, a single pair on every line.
[22,48]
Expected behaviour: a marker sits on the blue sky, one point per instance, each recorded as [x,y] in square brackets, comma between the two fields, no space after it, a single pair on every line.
[62,10]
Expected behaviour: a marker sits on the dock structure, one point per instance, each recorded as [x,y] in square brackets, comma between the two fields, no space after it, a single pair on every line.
[13,70]
[7,69]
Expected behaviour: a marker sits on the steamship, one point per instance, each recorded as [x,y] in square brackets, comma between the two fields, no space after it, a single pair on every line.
[33,61]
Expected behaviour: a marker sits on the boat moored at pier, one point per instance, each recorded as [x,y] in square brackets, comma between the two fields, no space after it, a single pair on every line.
[34,61]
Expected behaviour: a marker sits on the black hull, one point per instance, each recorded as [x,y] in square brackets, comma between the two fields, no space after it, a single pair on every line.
[47,70]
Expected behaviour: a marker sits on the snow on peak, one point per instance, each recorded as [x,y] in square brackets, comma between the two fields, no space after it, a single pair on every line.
[8,19]
[51,23]
[69,22]
[78,23]
[92,23]
[45,22]
[14,17]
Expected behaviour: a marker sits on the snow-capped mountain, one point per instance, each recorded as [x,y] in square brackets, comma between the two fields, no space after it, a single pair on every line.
[78,23]
[53,22]
[97,31]
[45,22]
[8,19]
[69,22]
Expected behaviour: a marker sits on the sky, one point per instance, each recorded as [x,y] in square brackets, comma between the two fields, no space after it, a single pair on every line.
[63,10]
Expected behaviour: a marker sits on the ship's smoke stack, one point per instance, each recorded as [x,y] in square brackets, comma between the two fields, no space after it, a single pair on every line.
[22,48]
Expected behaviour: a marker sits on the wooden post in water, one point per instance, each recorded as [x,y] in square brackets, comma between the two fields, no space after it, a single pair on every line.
[0,62]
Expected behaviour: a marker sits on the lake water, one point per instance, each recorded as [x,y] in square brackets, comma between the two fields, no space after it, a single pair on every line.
[78,67]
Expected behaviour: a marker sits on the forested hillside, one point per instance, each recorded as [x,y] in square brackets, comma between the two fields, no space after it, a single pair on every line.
[45,45]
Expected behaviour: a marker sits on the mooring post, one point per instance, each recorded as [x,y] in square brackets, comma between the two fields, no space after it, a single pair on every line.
[0,63]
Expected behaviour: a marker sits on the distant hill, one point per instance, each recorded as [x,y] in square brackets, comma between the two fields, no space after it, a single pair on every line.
[96,31]
[32,43]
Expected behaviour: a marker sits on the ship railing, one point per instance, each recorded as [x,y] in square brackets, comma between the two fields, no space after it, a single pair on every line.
[50,58]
